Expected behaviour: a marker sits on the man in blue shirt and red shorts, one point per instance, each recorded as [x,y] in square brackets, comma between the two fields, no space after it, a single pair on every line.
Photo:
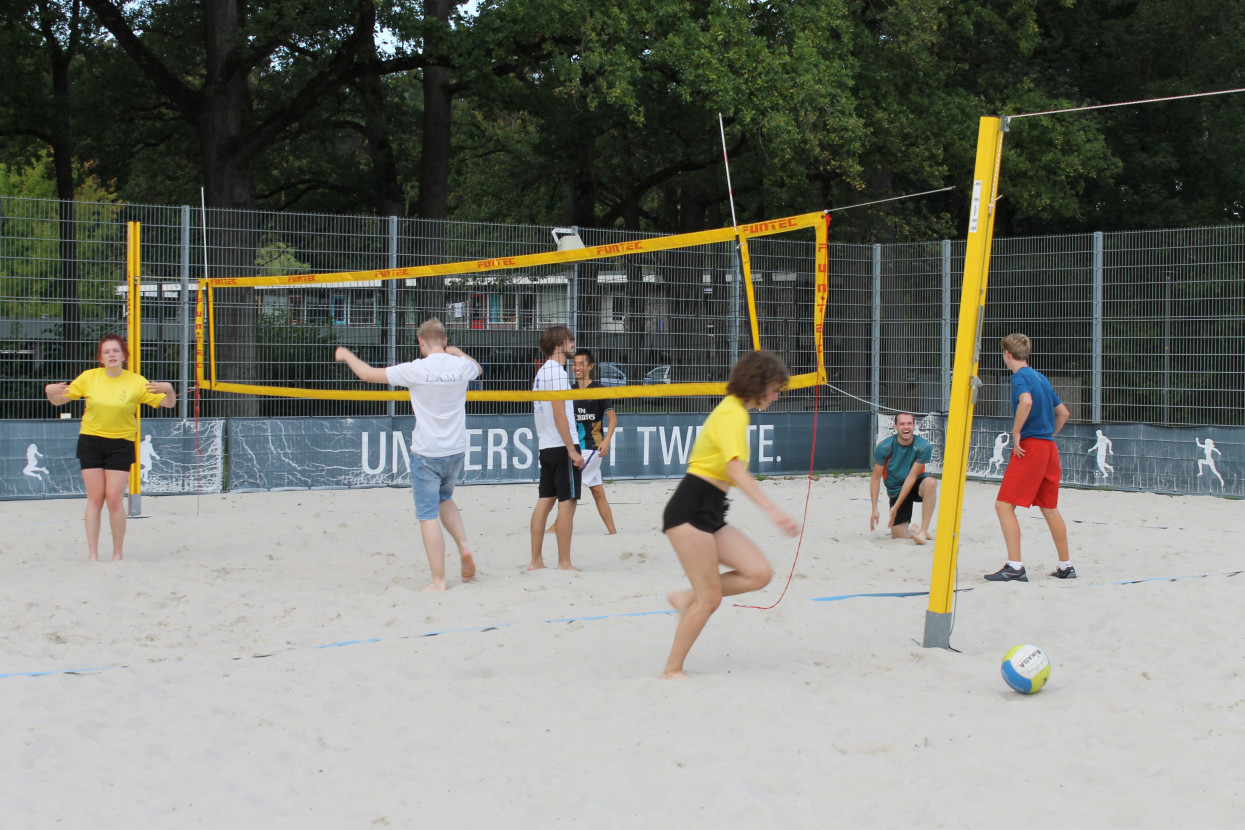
[1032,477]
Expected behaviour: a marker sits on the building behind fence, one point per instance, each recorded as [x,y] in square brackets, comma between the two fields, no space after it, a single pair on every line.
[1142,327]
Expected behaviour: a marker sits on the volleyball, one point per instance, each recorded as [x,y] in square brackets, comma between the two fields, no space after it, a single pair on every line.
[1026,669]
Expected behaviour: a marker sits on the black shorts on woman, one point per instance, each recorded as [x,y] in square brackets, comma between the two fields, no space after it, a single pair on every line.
[96,452]
[698,503]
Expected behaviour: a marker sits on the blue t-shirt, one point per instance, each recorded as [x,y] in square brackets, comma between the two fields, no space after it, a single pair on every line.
[1041,420]
[899,459]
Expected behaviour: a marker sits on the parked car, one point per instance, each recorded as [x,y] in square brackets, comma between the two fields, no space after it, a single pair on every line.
[611,374]
[658,374]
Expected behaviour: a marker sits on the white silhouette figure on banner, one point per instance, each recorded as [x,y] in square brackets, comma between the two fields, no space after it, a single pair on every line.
[1209,461]
[32,467]
[1000,443]
[1103,447]
[145,456]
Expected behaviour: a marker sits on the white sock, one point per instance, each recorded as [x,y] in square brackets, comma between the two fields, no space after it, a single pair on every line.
[1063,566]
[1016,566]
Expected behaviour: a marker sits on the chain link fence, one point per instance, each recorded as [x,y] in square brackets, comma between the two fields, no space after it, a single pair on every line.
[1140,327]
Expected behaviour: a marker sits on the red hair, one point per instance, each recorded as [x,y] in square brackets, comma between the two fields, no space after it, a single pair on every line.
[99,350]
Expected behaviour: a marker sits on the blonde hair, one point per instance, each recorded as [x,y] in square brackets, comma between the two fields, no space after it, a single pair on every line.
[431,330]
[1018,345]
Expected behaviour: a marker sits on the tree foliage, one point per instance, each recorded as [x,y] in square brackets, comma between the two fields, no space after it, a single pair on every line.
[606,113]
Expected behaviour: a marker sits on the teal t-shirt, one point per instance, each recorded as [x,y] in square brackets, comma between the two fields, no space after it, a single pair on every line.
[899,459]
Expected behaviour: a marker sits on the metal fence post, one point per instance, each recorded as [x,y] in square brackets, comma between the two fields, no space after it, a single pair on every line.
[945,351]
[184,357]
[1096,346]
[875,339]
[391,408]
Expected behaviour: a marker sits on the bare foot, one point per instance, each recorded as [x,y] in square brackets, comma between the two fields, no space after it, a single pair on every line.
[536,566]
[92,558]
[435,586]
[674,675]
[567,567]
[679,600]
[919,538]
[469,567]
[611,533]
[117,558]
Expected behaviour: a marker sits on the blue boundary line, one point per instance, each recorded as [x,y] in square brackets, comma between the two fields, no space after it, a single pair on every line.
[497,626]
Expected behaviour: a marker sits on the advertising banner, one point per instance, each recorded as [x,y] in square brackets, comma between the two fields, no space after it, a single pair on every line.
[1205,460]
[39,458]
[274,454]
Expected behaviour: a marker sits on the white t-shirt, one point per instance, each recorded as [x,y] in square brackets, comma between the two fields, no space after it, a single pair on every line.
[438,385]
[552,377]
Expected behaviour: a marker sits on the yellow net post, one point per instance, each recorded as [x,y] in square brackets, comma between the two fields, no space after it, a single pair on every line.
[745,266]
[822,296]
[964,381]
[133,336]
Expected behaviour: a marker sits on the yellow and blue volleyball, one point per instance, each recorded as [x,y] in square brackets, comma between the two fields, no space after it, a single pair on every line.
[1026,669]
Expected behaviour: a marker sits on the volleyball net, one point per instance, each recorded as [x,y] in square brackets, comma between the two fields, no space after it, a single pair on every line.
[664,316]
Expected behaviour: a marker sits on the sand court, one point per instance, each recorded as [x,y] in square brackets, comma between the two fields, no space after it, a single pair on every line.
[266,659]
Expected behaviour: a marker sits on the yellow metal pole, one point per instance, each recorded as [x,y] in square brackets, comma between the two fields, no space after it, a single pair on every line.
[964,381]
[133,283]
[201,293]
[822,296]
[745,262]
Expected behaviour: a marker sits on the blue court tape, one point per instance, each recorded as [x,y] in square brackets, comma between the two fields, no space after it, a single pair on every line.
[895,594]
[496,626]
[61,671]
[608,616]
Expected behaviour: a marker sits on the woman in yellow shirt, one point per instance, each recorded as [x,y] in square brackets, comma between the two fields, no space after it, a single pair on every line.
[109,430]
[695,517]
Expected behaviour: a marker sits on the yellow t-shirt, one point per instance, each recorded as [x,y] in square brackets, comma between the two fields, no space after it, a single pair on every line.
[111,403]
[723,436]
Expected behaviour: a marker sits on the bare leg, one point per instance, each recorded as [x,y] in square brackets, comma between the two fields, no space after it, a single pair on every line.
[1011,529]
[115,482]
[94,482]
[453,522]
[697,552]
[563,527]
[1058,532]
[701,554]
[929,500]
[603,507]
[434,546]
[539,514]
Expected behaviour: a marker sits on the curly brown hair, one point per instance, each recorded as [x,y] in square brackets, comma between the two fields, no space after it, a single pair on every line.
[754,374]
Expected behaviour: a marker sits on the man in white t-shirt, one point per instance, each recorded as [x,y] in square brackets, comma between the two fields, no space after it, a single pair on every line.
[560,461]
[438,383]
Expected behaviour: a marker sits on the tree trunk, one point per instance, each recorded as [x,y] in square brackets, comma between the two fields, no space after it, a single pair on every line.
[229,185]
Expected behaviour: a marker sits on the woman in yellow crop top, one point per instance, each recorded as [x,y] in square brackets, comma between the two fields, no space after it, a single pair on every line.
[695,517]
[109,430]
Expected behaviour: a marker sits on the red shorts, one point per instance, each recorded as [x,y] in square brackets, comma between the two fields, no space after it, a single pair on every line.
[1033,478]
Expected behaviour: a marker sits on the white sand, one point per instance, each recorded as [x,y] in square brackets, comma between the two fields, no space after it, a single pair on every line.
[815,714]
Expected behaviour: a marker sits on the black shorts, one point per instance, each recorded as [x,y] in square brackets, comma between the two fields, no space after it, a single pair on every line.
[558,476]
[698,503]
[904,516]
[97,453]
